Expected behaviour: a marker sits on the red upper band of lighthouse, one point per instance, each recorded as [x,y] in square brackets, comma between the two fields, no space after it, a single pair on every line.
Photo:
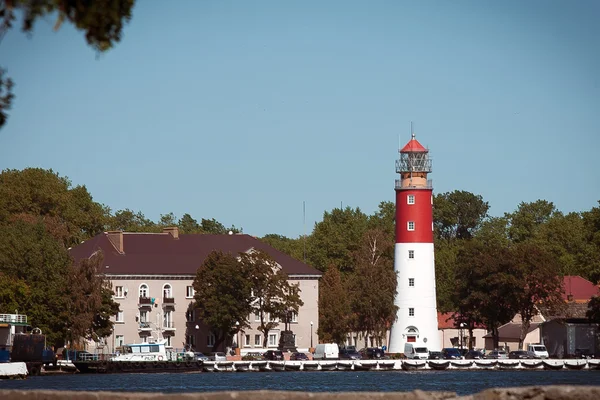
[414,212]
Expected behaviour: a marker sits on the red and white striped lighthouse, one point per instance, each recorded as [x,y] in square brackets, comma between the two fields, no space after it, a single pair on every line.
[414,259]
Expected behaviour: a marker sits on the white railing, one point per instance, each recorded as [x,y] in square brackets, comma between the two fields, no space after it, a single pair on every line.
[429,185]
[13,318]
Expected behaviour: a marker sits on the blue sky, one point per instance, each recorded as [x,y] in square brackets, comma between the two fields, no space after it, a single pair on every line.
[242,110]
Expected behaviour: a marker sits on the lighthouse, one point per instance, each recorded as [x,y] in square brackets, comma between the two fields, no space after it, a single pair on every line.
[413,254]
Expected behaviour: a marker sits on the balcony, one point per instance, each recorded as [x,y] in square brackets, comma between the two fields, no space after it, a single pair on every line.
[428,185]
[144,327]
[13,319]
[145,302]
[168,302]
[168,326]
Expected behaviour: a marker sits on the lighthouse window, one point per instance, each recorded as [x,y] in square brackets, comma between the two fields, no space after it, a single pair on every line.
[411,225]
[411,199]
[411,312]
[411,282]
[411,254]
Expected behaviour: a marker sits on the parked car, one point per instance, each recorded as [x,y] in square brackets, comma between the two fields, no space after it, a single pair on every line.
[326,351]
[497,354]
[349,353]
[200,356]
[273,355]
[539,350]
[217,356]
[521,355]
[416,351]
[435,355]
[474,355]
[583,353]
[451,353]
[372,353]
[298,357]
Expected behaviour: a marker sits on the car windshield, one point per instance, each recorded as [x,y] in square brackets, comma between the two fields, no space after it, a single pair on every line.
[539,348]
[420,349]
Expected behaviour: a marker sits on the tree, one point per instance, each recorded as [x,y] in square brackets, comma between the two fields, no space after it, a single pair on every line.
[336,238]
[458,214]
[101,20]
[90,304]
[526,221]
[292,247]
[212,226]
[187,224]
[593,311]
[223,295]
[335,311]
[485,284]
[35,263]
[373,286]
[167,220]
[130,221]
[6,95]
[540,283]
[273,297]
[69,213]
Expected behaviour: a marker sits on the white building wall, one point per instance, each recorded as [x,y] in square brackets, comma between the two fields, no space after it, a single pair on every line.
[421,297]
[130,331]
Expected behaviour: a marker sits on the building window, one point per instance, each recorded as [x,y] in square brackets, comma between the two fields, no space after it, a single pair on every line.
[272,339]
[411,199]
[189,292]
[294,317]
[411,225]
[257,341]
[144,292]
[411,254]
[210,340]
[120,317]
[119,340]
[191,340]
[411,312]
[431,200]
[119,292]
[257,317]
[411,282]
[167,292]
[144,316]
[168,320]
[190,315]
[247,340]
[168,341]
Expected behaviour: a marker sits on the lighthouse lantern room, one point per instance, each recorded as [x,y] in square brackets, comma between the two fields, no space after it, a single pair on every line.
[416,320]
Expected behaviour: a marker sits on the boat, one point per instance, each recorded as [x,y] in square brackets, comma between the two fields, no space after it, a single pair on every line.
[328,365]
[386,365]
[575,364]
[277,365]
[508,364]
[438,364]
[310,366]
[242,366]
[532,364]
[292,365]
[345,365]
[151,356]
[553,364]
[414,364]
[486,364]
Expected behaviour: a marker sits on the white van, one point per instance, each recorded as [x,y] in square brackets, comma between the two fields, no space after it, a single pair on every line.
[326,351]
[538,350]
[416,351]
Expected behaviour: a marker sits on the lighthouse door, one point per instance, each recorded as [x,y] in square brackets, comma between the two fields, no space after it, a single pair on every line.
[411,334]
[411,338]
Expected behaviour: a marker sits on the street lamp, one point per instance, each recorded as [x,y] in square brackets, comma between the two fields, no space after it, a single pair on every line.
[311,335]
[237,336]
[461,326]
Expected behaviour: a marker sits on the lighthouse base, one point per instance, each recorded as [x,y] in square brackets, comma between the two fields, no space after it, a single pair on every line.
[416,320]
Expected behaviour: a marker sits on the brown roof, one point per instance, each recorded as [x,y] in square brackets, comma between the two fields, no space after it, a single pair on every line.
[511,332]
[568,310]
[161,253]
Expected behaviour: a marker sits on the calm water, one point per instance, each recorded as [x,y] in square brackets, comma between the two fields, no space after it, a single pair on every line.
[461,382]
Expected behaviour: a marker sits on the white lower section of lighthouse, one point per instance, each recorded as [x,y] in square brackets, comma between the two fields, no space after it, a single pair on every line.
[416,299]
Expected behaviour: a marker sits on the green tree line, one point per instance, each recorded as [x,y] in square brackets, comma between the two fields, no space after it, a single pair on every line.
[516,260]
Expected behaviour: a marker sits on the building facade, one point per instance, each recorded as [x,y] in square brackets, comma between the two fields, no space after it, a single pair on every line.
[413,255]
[152,276]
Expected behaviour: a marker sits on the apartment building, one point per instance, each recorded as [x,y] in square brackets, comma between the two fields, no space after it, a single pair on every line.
[152,275]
